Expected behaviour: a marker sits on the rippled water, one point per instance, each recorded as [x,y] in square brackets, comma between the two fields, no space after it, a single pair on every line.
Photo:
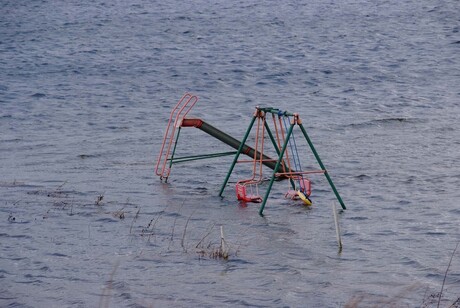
[85,92]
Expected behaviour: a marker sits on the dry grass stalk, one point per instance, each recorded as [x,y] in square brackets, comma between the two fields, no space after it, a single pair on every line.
[220,252]
[134,219]
[182,242]
[445,276]
[106,292]
[119,214]
[151,225]
[174,226]
[208,232]
[429,300]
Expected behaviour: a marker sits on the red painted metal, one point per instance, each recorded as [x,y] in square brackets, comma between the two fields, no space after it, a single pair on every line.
[252,184]
[176,118]
[242,194]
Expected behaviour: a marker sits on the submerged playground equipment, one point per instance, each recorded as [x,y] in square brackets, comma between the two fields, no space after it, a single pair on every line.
[286,164]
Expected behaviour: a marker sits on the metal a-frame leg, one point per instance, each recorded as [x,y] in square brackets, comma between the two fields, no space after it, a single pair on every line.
[237,155]
[278,163]
[172,154]
[318,159]
[267,128]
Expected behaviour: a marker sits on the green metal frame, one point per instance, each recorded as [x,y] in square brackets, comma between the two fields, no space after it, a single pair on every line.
[171,160]
[238,152]
[280,152]
[267,128]
[242,148]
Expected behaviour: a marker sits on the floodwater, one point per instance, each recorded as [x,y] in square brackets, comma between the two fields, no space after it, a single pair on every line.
[86,88]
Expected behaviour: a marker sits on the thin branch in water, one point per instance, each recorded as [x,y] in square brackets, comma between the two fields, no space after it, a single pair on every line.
[62,185]
[104,301]
[174,226]
[185,231]
[156,220]
[119,214]
[134,219]
[206,235]
[445,275]
[455,304]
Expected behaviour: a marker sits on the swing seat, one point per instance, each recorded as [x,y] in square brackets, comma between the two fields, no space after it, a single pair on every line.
[297,195]
[291,194]
[241,194]
[303,193]
[305,187]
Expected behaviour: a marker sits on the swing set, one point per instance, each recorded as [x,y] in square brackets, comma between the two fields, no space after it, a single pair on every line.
[286,165]
[301,186]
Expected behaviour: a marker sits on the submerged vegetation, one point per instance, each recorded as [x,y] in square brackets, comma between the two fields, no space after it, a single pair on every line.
[206,245]
[185,238]
[189,234]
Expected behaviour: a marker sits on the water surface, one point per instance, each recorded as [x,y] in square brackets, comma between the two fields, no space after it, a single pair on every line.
[85,93]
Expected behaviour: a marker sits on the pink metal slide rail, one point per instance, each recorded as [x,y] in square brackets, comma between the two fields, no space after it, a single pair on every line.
[178,113]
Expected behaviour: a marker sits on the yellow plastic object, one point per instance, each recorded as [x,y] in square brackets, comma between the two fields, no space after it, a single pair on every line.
[303,198]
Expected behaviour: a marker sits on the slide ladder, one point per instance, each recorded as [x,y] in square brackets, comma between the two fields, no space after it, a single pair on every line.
[179,112]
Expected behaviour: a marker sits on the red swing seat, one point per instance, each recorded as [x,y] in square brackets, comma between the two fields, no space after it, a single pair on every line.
[305,187]
[241,193]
